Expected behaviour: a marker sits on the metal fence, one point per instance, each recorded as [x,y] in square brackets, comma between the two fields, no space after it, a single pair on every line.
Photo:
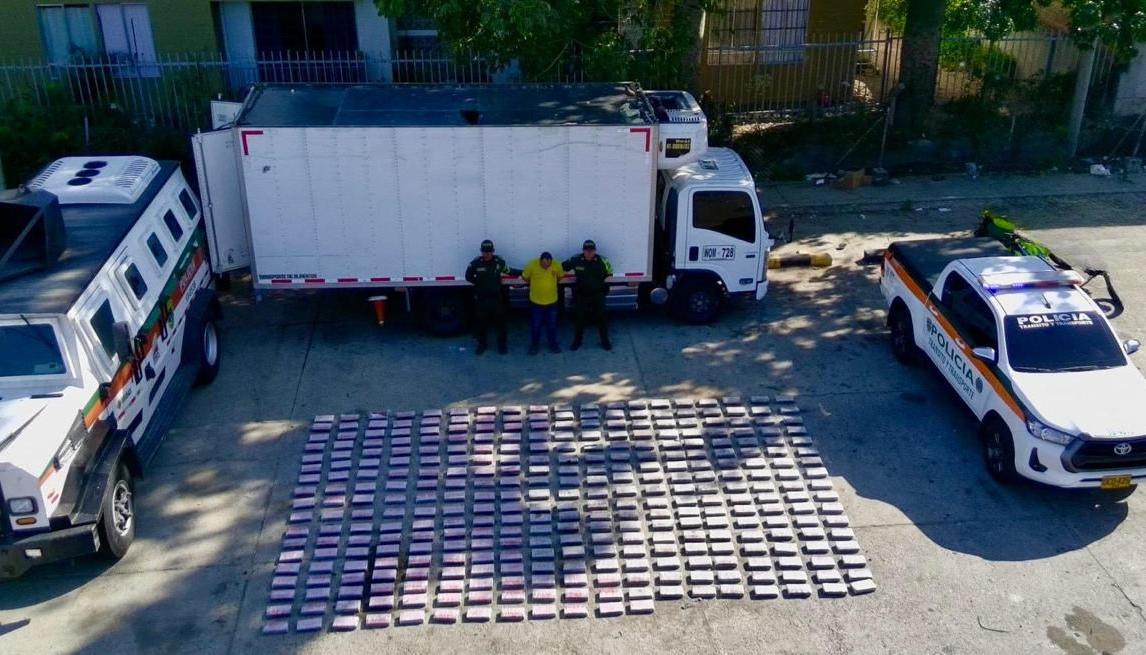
[826,74]
[839,73]
[173,89]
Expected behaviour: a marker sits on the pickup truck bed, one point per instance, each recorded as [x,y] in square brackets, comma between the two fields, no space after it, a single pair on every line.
[924,260]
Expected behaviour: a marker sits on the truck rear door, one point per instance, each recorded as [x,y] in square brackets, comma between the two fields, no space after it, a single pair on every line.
[220,189]
[723,236]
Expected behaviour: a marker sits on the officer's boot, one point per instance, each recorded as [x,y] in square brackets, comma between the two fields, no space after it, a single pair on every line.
[577,336]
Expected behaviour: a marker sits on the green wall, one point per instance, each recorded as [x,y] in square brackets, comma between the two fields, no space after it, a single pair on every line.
[19,31]
[179,26]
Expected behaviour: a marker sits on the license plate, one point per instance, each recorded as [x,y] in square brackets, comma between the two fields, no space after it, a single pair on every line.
[1116,481]
[718,253]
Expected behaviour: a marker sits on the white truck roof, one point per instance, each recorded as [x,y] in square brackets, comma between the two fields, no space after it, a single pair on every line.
[719,167]
[340,105]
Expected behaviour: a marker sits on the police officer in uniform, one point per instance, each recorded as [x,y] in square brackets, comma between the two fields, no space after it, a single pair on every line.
[589,292]
[485,272]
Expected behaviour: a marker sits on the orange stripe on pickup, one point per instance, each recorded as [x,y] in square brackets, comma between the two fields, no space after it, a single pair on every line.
[988,375]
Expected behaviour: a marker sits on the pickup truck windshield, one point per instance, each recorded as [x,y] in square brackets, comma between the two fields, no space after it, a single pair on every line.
[30,349]
[1061,342]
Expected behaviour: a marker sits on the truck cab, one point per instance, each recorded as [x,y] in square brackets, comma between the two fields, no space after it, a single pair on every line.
[712,243]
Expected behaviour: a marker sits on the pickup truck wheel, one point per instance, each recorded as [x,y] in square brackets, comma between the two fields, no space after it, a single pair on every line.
[697,302]
[208,353]
[998,451]
[117,520]
[902,335]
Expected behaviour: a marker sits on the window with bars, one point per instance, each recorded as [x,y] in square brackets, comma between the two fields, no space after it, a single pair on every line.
[783,27]
[761,31]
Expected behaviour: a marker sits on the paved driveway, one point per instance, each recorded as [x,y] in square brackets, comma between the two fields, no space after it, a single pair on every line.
[963,565]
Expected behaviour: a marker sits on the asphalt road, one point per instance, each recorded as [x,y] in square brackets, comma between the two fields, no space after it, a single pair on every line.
[962,564]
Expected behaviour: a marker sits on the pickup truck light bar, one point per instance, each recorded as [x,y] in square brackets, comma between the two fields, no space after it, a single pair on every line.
[1048,280]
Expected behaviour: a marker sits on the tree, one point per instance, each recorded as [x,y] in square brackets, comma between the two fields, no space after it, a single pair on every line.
[608,39]
[919,62]
[1118,24]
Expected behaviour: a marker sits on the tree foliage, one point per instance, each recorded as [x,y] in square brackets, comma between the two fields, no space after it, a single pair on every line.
[607,38]
[1119,24]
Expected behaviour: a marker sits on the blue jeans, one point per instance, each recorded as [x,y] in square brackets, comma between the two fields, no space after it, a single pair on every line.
[543,314]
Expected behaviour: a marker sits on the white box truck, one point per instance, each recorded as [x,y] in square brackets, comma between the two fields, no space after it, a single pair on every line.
[392,187]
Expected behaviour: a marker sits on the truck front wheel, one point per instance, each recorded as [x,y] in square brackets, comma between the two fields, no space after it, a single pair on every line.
[902,334]
[117,520]
[697,302]
[998,450]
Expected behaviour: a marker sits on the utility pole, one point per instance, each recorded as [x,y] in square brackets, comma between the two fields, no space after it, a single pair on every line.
[1081,90]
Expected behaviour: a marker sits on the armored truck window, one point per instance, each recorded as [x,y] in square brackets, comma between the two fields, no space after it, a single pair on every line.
[188,204]
[728,212]
[157,250]
[103,324]
[970,313]
[135,280]
[29,349]
[173,225]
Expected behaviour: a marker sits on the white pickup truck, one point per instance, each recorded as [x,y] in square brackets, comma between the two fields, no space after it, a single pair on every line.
[1029,352]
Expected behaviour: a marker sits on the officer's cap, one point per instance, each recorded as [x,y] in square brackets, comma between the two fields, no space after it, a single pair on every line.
[487,246]
[589,245]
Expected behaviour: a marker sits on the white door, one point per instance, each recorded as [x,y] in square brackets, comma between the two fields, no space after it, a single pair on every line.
[723,236]
[221,192]
[224,113]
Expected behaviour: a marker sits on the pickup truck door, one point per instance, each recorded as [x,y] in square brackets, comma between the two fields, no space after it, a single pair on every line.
[723,235]
[959,320]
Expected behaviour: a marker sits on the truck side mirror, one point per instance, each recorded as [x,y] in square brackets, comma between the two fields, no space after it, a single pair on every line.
[1131,346]
[984,353]
[121,333]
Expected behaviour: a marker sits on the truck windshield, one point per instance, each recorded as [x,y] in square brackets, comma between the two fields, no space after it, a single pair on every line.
[29,349]
[1061,342]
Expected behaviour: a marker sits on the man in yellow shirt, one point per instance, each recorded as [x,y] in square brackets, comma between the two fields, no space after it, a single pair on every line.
[543,274]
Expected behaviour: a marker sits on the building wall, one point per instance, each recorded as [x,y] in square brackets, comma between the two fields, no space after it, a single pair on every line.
[823,75]
[179,26]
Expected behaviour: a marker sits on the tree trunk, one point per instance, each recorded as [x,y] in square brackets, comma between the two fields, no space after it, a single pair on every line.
[919,62]
[689,20]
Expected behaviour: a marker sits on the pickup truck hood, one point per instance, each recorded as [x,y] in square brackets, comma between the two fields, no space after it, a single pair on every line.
[1106,404]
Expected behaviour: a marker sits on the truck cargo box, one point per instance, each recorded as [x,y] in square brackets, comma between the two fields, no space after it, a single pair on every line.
[397,186]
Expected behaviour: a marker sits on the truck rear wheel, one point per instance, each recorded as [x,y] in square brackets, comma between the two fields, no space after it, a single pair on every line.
[998,450]
[443,312]
[902,334]
[209,353]
[697,302]
[117,519]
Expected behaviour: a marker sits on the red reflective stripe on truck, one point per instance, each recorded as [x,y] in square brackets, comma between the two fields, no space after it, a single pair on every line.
[648,132]
[634,274]
[412,278]
[347,279]
[444,278]
[379,279]
[243,134]
[314,280]
[279,281]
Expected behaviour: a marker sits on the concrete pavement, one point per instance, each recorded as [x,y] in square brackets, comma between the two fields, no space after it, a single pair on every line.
[963,564]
